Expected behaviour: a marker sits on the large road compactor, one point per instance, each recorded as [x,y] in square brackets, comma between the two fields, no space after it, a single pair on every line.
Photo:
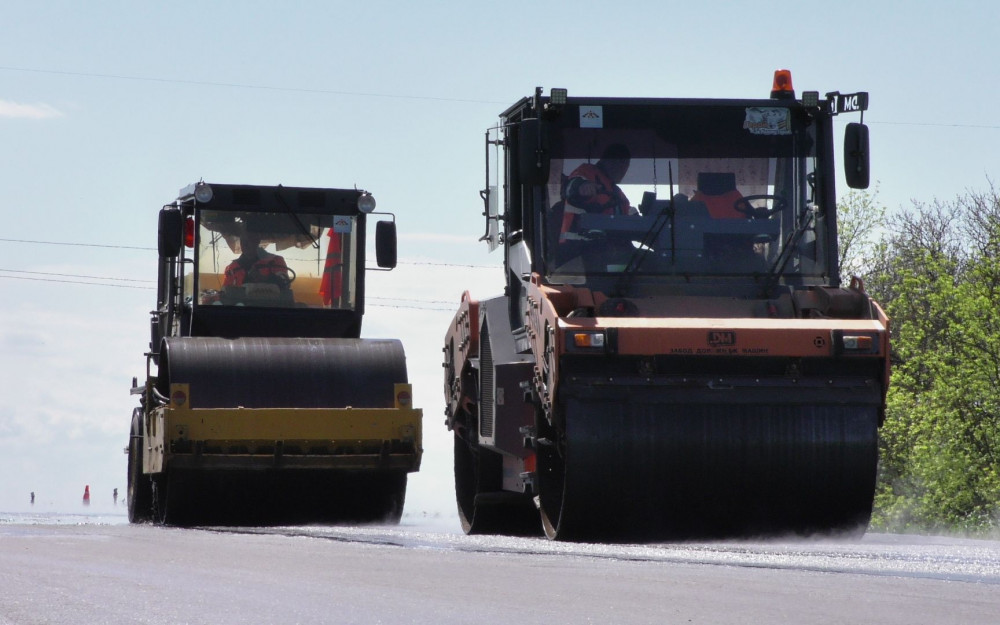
[261,404]
[675,354]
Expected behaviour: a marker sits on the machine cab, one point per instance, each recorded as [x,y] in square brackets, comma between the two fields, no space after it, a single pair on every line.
[634,196]
[241,260]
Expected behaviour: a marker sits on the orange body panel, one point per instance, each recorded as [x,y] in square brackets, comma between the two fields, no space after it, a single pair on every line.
[724,337]
[461,344]
[551,326]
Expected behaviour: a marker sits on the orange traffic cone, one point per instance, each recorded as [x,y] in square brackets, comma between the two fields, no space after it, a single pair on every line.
[86,495]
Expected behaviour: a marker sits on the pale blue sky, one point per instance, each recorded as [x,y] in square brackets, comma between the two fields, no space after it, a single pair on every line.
[108,108]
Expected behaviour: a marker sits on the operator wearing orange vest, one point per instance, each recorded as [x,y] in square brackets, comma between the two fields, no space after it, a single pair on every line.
[255,264]
[593,188]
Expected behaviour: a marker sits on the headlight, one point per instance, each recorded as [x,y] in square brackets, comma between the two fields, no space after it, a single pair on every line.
[366,203]
[855,343]
[203,193]
[584,340]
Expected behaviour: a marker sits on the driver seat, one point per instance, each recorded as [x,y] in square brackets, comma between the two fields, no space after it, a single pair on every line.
[717,191]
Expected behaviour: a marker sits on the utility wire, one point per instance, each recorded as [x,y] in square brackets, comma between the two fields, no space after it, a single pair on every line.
[934,124]
[361,94]
[404,306]
[369,261]
[84,280]
[433,264]
[120,286]
[209,83]
[150,288]
[73,275]
[69,244]
[369,298]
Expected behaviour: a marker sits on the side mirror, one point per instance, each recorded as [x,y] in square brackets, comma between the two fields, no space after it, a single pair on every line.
[170,233]
[856,156]
[385,244]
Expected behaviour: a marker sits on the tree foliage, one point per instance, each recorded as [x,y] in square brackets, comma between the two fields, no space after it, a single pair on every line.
[936,270]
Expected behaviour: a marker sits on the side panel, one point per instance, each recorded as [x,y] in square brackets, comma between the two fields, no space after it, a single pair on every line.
[504,384]
[154,453]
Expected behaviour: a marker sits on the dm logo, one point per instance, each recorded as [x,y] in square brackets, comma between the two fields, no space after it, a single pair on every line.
[721,338]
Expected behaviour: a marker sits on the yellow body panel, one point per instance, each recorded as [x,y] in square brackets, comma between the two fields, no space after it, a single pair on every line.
[355,438]
[319,424]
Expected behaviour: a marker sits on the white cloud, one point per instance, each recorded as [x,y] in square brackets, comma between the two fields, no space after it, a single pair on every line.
[16,110]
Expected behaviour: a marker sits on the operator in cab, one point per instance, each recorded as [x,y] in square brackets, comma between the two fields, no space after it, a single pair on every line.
[593,188]
[256,265]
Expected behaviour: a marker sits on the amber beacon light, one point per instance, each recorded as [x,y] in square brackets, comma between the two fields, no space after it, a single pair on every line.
[782,85]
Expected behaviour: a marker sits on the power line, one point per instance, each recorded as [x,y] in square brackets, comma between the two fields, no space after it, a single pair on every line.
[69,244]
[209,83]
[369,261]
[84,281]
[120,286]
[404,306]
[149,288]
[369,298]
[935,124]
[74,275]
[361,94]
[434,264]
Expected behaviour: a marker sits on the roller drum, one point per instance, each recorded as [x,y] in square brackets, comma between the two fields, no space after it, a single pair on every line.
[284,372]
[641,469]
[280,373]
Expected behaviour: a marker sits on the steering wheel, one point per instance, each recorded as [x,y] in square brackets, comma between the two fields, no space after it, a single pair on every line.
[742,205]
[287,279]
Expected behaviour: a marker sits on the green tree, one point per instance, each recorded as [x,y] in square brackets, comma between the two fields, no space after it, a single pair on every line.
[936,271]
[860,225]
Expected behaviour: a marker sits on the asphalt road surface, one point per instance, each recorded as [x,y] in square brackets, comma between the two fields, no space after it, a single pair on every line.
[100,572]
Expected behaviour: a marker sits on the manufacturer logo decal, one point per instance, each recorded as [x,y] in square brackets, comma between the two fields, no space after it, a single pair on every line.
[765,120]
[342,225]
[591,117]
[721,338]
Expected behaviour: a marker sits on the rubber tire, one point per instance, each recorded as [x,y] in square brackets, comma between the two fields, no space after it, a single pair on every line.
[479,472]
[140,487]
[551,472]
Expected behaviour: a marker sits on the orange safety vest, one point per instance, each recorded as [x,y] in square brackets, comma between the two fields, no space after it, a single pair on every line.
[266,266]
[609,199]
